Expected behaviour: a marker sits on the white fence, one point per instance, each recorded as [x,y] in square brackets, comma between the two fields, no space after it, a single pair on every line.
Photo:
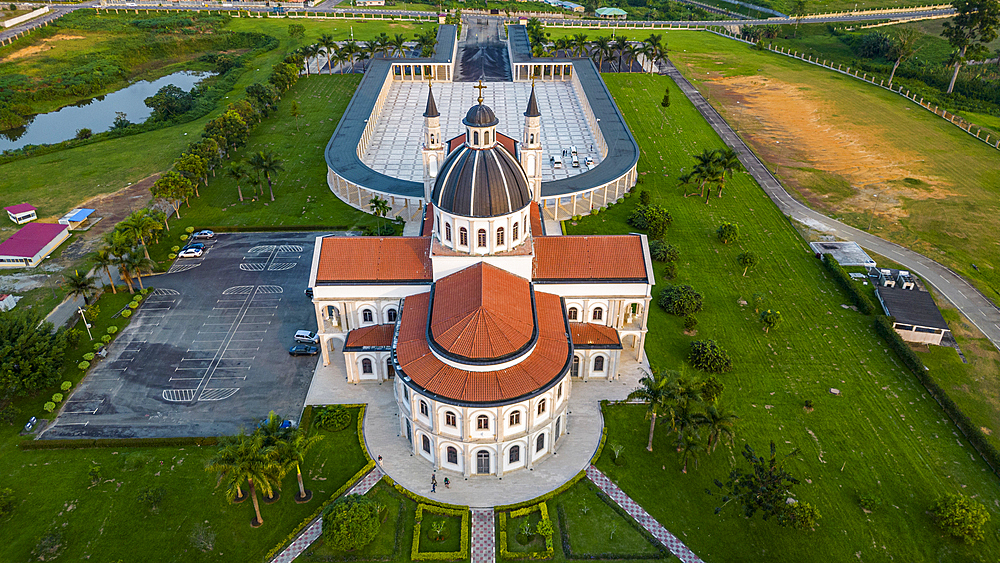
[21,19]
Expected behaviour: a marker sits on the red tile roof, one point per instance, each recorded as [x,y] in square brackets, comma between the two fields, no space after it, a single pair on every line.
[482,312]
[547,362]
[374,259]
[20,208]
[31,239]
[590,335]
[607,257]
[378,336]
[428,227]
[536,221]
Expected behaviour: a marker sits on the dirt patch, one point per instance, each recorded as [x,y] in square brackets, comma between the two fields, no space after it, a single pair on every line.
[36,49]
[112,208]
[792,128]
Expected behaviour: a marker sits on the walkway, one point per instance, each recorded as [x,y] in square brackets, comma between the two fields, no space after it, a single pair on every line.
[483,536]
[675,545]
[315,528]
[967,299]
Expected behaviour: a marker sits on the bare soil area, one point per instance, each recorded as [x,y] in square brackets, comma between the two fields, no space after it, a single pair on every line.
[790,127]
[46,45]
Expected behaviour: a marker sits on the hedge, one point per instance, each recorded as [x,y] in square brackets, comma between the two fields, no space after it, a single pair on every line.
[503,539]
[319,511]
[547,496]
[883,326]
[843,279]
[462,553]
[117,443]
[276,228]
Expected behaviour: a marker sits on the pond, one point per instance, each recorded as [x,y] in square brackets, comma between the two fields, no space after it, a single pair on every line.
[96,114]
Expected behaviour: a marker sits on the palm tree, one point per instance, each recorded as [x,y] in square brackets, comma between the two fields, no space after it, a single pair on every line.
[721,426]
[80,284]
[631,54]
[383,43]
[141,226]
[104,261]
[247,460]
[397,43]
[294,451]
[653,392]
[729,162]
[904,47]
[579,42]
[327,43]
[310,52]
[691,449]
[267,163]
[380,207]
[350,48]
[621,45]
[275,436]
[340,56]
[562,44]
[369,50]
[123,272]
[238,172]
[602,48]
[137,264]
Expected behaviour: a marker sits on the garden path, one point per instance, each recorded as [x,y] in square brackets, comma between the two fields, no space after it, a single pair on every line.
[315,528]
[675,545]
[483,536]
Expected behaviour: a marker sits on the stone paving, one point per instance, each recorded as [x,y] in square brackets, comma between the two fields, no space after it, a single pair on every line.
[382,436]
[394,149]
[641,516]
[315,528]
[483,536]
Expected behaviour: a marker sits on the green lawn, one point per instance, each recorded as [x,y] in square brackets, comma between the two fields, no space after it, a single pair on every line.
[522,543]
[452,540]
[935,183]
[105,522]
[594,527]
[881,435]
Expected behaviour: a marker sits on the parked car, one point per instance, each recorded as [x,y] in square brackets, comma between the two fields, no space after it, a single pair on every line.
[303,350]
[556,161]
[309,292]
[190,253]
[306,337]
[203,234]
[198,245]
[589,162]
[572,151]
[576,161]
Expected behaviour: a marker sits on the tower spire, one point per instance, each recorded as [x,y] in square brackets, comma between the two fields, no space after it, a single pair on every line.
[532,110]
[431,110]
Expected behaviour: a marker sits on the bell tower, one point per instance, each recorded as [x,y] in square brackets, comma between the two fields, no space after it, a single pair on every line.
[433,146]
[531,147]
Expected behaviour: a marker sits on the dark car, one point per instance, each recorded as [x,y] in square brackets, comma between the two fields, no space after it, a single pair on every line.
[303,350]
[198,245]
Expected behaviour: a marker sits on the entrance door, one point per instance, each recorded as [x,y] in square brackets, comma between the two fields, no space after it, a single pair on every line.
[576,366]
[558,423]
[389,369]
[483,462]
[409,433]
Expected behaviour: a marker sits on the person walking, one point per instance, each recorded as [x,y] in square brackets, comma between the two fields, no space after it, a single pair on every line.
[434,482]
[447,483]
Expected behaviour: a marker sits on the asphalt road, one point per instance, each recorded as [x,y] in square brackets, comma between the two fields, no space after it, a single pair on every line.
[967,299]
[482,55]
[207,352]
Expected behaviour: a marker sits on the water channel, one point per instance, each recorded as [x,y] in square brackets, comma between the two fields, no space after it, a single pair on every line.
[96,114]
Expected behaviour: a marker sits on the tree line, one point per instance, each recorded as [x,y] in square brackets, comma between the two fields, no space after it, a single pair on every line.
[338,53]
[620,50]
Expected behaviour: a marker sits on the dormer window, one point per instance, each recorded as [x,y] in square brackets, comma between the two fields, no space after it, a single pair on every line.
[475,138]
[486,137]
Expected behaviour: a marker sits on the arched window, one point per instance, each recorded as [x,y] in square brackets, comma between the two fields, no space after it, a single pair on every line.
[559,391]
[449,419]
[515,418]
[439,225]
[475,137]
[515,454]
[573,313]
[452,455]
[391,315]
[406,393]
[500,241]
[366,315]
[531,139]
[423,408]
[463,237]
[482,422]
[425,443]
[576,366]
[541,407]
[432,138]
[486,137]
[599,363]
[481,238]
[447,232]
[515,232]
[598,314]
[389,370]
[366,366]
[539,443]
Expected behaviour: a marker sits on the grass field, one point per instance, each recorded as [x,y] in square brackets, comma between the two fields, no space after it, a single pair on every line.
[582,508]
[882,435]
[105,522]
[846,148]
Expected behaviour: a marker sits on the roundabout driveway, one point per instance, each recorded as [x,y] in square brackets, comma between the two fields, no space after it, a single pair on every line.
[207,352]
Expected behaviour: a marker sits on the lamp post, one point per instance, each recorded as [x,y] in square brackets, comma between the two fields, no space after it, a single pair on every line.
[872,218]
[85,323]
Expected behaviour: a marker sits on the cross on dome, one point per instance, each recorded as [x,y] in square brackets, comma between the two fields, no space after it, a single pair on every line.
[481,87]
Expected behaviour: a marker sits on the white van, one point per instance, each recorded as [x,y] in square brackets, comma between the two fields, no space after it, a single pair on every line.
[572,151]
[557,161]
[576,161]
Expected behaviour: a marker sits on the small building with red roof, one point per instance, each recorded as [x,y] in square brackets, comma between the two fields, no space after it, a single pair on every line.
[21,213]
[29,246]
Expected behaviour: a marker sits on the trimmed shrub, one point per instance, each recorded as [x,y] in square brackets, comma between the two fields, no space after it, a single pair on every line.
[112,329]
[799,515]
[57,397]
[133,305]
[843,279]
[89,356]
[680,300]
[644,197]
[127,313]
[770,319]
[171,256]
[670,271]
[637,218]
[48,407]
[728,232]
[175,249]
[707,356]
[332,418]
[961,517]
[350,523]
[106,338]
[189,230]
[690,322]
[657,221]
[663,252]
[98,346]
[184,237]
[83,365]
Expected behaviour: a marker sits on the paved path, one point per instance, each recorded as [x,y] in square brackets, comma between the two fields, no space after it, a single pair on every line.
[483,536]
[967,299]
[315,528]
[65,311]
[641,516]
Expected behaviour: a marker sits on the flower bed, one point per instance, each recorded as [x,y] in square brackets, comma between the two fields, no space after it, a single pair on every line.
[509,528]
[418,554]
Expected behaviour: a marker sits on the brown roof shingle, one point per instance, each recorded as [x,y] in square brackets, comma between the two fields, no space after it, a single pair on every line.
[590,335]
[482,312]
[548,360]
[370,336]
[608,257]
[374,259]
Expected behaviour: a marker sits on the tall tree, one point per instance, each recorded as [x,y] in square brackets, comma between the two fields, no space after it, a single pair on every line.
[31,352]
[380,207]
[238,172]
[295,112]
[194,168]
[79,284]
[174,189]
[763,488]
[398,45]
[602,49]
[251,462]
[268,164]
[310,53]
[294,452]
[974,25]
[104,261]
[580,44]
[691,450]
[621,46]
[327,43]
[140,226]
[904,47]
[369,50]
[653,391]
[799,11]
[134,263]
[721,426]
[728,162]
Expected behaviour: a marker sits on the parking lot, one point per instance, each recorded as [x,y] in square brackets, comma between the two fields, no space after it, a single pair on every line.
[207,352]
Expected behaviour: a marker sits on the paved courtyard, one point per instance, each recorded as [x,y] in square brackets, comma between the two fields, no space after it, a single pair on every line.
[382,437]
[206,353]
[395,146]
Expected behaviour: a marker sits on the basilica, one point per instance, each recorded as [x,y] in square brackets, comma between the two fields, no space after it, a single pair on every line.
[483,324]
